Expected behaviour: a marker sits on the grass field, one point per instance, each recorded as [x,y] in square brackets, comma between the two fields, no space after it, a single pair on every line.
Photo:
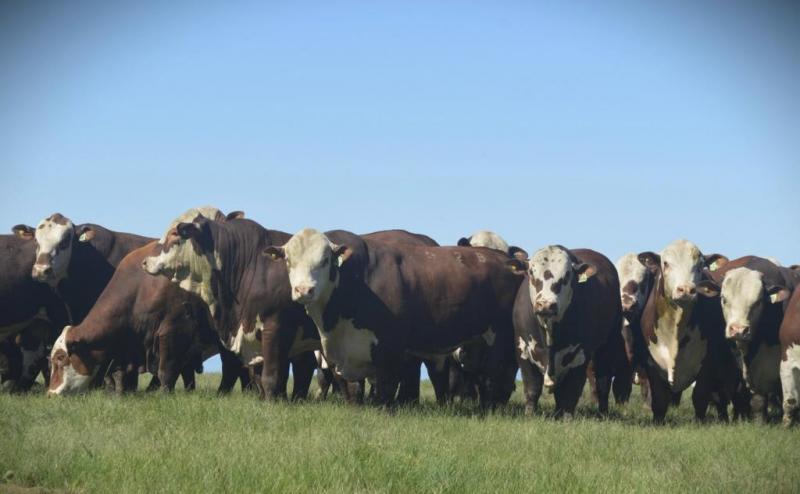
[197,442]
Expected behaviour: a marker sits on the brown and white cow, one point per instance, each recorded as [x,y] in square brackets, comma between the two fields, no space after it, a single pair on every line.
[754,294]
[30,312]
[789,335]
[684,335]
[566,315]
[373,303]
[246,293]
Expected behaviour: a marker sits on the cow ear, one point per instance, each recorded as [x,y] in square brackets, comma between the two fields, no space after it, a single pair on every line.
[715,261]
[708,288]
[650,260]
[23,231]
[463,242]
[275,252]
[342,252]
[187,230]
[235,215]
[517,266]
[85,233]
[585,271]
[778,293]
[795,267]
[517,253]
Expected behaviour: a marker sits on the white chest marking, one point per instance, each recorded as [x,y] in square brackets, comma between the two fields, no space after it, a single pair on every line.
[534,352]
[349,349]
[248,345]
[681,365]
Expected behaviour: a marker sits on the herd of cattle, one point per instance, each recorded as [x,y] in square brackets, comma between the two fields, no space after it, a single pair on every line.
[90,307]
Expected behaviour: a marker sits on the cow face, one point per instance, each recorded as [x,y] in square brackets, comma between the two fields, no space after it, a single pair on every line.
[743,296]
[553,273]
[54,238]
[312,262]
[681,266]
[69,372]
[633,283]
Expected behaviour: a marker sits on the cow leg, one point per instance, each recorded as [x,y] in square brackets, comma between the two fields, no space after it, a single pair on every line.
[592,380]
[644,386]
[568,392]
[155,383]
[387,377]
[790,383]
[187,374]
[303,366]
[231,371]
[31,343]
[324,382]
[701,396]
[439,372]
[11,364]
[275,366]
[758,407]
[532,380]
[660,395]
[410,382]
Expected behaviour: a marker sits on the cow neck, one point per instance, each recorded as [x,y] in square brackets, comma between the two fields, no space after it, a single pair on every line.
[89,271]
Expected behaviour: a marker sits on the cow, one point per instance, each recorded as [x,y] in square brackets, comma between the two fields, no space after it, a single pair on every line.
[754,293]
[635,284]
[567,315]
[247,296]
[29,312]
[684,335]
[373,303]
[789,335]
[463,364]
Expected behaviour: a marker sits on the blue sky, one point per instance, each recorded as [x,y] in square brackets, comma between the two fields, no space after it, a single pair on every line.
[618,127]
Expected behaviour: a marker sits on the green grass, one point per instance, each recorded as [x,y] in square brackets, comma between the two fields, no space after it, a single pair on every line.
[197,442]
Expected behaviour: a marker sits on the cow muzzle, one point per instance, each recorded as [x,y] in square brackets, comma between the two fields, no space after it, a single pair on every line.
[685,293]
[303,293]
[152,265]
[42,272]
[544,308]
[738,332]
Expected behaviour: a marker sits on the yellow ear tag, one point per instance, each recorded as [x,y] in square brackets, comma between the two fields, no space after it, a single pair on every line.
[582,278]
[713,266]
[83,238]
[773,298]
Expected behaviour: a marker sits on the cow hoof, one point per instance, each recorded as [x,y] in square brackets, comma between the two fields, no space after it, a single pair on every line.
[530,410]
[567,417]
[787,421]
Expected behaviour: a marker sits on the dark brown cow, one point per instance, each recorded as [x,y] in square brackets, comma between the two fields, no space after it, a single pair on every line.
[789,335]
[754,293]
[684,335]
[567,315]
[247,295]
[29,312]
[374,302]
[135,312]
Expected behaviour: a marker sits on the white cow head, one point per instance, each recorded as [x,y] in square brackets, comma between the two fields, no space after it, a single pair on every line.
[743,296]
[70,369]
[633,283]
[312,261]
[54,238]
[681,265]
[553,273]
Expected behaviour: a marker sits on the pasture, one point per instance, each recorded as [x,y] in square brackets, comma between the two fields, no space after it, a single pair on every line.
[197,442]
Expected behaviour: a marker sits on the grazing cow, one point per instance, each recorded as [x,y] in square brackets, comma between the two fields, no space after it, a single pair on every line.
[29,312]
[635,284]
[464,363]
[247,296]
[684,334]
[754,293]
[567,315]
[789,335]
[374,302]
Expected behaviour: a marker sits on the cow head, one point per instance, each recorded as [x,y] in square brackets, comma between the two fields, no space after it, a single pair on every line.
[743,296]
[55,238]
[491,240]
[312,262]
[681,266]
[553,274]
[71,369]
[633,284]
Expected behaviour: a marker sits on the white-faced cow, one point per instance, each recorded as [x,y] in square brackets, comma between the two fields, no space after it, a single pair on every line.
[566,315]
[754,294]
[684,335]
[789,335]
[247,296]
[373,303]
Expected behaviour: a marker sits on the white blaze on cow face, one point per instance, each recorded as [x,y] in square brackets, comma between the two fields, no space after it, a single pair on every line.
[53,249]
[682,267]
[67,373]
[632,283]
[309,256]
[485,238]
[742,298]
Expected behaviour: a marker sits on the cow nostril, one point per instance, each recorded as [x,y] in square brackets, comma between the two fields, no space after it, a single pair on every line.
[680,289]
[692,291]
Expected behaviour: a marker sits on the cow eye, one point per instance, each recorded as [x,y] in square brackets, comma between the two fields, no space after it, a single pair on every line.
[666,265]
[723,300]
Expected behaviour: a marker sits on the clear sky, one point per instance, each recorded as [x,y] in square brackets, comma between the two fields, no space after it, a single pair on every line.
[618,127]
